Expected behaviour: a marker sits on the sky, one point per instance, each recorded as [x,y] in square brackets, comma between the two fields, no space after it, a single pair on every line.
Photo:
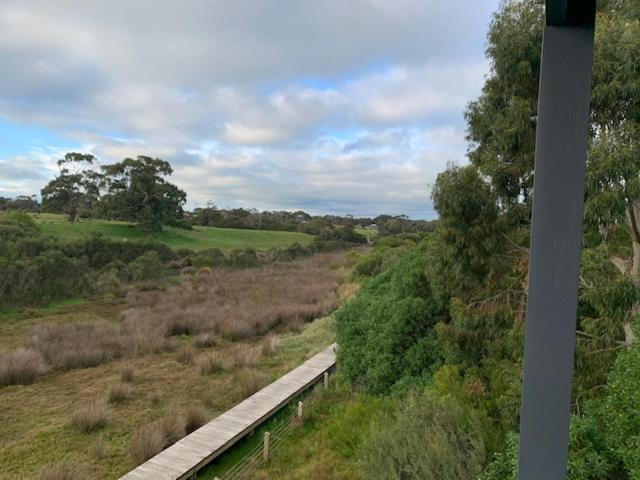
[330,106]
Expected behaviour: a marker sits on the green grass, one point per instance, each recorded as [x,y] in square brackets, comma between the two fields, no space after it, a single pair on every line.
[36,418]
[197,239]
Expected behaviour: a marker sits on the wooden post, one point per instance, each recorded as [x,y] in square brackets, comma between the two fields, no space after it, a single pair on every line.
[326,380]
[265,449]
[300,410]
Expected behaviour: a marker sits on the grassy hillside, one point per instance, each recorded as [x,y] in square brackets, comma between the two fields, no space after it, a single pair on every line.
[197,239]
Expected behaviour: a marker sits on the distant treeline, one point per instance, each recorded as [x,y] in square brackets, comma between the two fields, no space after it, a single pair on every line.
[301,221]
[253,219]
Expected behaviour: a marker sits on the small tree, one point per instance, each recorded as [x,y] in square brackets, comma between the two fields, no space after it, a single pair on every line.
[75,189]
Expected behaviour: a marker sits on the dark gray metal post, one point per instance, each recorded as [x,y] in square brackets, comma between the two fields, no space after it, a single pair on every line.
[560,160]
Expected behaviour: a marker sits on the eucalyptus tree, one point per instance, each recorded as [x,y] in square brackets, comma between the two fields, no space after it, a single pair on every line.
[77,187]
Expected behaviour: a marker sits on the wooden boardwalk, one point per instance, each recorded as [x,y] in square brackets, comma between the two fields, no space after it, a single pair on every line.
[186,457]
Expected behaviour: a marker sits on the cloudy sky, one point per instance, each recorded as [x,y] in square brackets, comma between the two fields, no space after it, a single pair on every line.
[331,106]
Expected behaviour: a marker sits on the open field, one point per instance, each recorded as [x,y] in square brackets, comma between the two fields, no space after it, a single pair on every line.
[154,377]
[197,239]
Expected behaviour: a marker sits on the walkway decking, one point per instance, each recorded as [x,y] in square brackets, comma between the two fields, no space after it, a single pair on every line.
[196,450]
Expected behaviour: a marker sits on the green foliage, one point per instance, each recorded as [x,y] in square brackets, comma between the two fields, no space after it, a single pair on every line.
[76,189]
[243,258]
[147,266]
[15,225]
[375,262]
[431,438]
[138,191]
[502,122]
[386,332]
[469,233]
[36,269]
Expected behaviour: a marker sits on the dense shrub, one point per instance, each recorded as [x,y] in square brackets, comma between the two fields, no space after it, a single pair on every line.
[36,269]
[386,332]
[429,439]
[147,266]
[210,257]
[243,258]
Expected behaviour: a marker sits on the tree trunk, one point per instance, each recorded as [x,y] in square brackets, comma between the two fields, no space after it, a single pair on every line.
[635,266]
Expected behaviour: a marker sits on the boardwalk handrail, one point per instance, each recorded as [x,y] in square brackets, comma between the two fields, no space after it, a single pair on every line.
[196,450]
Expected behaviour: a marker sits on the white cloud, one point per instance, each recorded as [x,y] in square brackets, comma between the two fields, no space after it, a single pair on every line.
[343,105]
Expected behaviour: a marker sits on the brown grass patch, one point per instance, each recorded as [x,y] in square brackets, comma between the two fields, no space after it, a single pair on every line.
[91,416]
[205,340]
[67,471]
[20,367]
[172,428]
[270,346]
[237,304]
[250,381]
[127,374]
[210,363]
[233,304]
[118,392]
[246,356]
[194,418]
[186,354]
[146,442]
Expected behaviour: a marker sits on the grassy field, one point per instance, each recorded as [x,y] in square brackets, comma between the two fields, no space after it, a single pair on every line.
[197,239]
[37,431]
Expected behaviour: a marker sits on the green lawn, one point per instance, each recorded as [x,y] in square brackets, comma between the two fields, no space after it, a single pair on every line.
[197,239]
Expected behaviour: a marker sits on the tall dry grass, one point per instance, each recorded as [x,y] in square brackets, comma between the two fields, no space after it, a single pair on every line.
[20,367]
[228,303]
[238,304]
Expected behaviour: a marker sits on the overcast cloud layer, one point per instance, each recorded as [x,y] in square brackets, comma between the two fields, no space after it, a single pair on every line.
[332,106]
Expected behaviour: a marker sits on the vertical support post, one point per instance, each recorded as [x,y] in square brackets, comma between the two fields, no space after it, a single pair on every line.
[326,380]
[299,412]
[560,161]
[265,447]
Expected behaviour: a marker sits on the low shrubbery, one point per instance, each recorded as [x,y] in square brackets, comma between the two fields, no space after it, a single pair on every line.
[430,438]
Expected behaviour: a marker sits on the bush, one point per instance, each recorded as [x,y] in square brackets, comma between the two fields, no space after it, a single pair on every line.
[91,416]
[194,418]
[210,257]
[430,439]
[243,258]
[148,266]
[20,367]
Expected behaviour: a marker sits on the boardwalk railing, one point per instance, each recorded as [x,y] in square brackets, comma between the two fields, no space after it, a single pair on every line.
[184,458]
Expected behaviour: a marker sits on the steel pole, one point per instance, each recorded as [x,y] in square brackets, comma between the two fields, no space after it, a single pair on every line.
[558,197]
